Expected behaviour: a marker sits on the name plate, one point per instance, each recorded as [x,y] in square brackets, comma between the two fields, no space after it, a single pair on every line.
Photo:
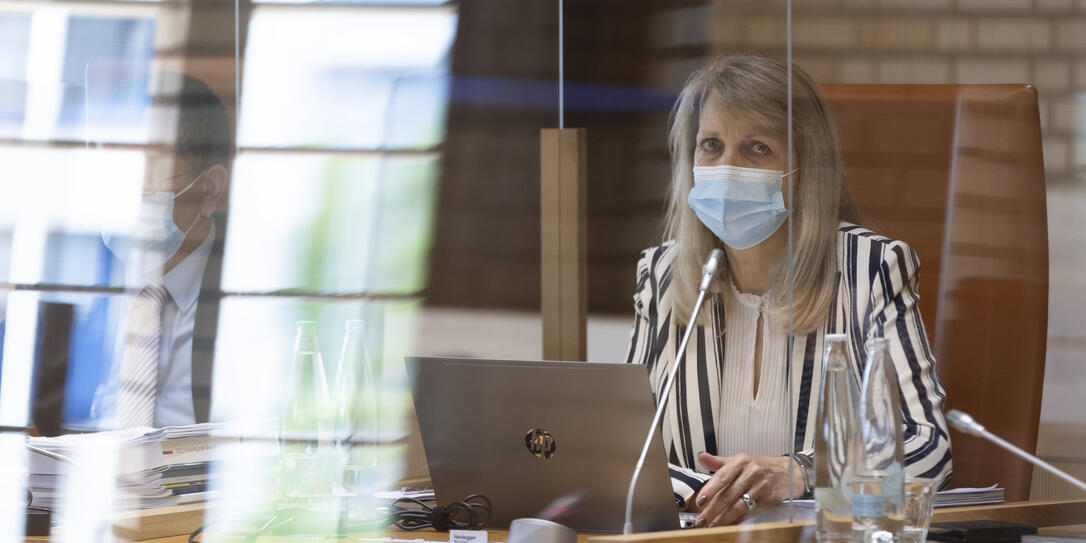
[467,536]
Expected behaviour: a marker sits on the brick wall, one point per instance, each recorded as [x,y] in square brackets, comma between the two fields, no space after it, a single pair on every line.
[1042,42]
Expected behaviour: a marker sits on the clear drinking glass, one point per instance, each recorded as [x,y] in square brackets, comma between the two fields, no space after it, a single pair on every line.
[359,486]
[919,500]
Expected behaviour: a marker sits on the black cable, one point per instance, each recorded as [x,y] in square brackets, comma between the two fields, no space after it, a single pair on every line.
[196,532]
[471,513]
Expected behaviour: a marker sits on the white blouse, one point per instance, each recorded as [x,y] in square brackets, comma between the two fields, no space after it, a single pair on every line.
[747,423]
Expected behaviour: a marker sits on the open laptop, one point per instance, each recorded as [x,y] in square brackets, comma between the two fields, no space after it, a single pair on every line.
[532,436]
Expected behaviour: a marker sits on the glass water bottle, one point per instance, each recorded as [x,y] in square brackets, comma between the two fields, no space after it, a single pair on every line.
[305,420]
[837,443]
[355,401]
[878,490]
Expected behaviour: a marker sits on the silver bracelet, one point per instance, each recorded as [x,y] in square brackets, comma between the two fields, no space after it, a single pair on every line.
[806,464]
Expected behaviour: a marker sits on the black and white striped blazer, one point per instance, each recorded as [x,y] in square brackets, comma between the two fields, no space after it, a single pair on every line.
[876,296]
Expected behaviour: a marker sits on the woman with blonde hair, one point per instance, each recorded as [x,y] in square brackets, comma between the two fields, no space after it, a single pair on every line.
[726,422]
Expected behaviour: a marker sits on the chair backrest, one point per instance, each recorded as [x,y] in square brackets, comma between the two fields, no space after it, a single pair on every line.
[957,172]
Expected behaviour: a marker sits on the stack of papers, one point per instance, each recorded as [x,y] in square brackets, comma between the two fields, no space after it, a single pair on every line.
[956,497]
[133,457]
[149,467]
[969,496]
[386,497]
[192,480]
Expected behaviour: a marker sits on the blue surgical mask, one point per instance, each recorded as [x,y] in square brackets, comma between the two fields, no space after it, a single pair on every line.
[155,237]
[742,206]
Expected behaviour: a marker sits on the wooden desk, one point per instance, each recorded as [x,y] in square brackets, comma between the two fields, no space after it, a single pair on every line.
[182,520]
[1039,514]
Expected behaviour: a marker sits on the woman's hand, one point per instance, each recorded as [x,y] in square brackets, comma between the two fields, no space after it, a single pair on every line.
[765,478]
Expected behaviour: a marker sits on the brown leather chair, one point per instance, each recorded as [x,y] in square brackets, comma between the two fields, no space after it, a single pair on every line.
[957,172]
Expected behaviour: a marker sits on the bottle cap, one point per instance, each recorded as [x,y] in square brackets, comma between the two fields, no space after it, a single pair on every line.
[836,337]
[882,536]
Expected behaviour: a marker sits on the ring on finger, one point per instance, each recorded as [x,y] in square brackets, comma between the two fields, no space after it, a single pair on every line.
[749,501]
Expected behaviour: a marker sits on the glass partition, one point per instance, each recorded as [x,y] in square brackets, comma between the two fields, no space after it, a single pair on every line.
[200,199]
[956,127]
[959,128]
[255,164]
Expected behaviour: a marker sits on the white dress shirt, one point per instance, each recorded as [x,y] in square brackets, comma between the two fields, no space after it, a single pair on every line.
[173,404]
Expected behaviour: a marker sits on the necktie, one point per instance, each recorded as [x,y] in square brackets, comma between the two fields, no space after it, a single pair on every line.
[139,365]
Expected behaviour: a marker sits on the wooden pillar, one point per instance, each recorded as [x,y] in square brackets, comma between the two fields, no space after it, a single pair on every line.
[564,255]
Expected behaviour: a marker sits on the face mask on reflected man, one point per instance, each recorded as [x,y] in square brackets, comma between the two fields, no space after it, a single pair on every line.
[742,206]
[155,237]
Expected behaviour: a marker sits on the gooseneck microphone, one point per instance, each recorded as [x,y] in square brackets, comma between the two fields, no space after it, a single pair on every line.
[965,424]
[707,273]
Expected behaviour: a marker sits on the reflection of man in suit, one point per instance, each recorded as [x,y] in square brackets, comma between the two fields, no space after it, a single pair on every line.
[160,372]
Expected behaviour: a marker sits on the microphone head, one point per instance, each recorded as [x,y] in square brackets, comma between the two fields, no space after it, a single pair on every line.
[713,262]
[709,269]
[964,423]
